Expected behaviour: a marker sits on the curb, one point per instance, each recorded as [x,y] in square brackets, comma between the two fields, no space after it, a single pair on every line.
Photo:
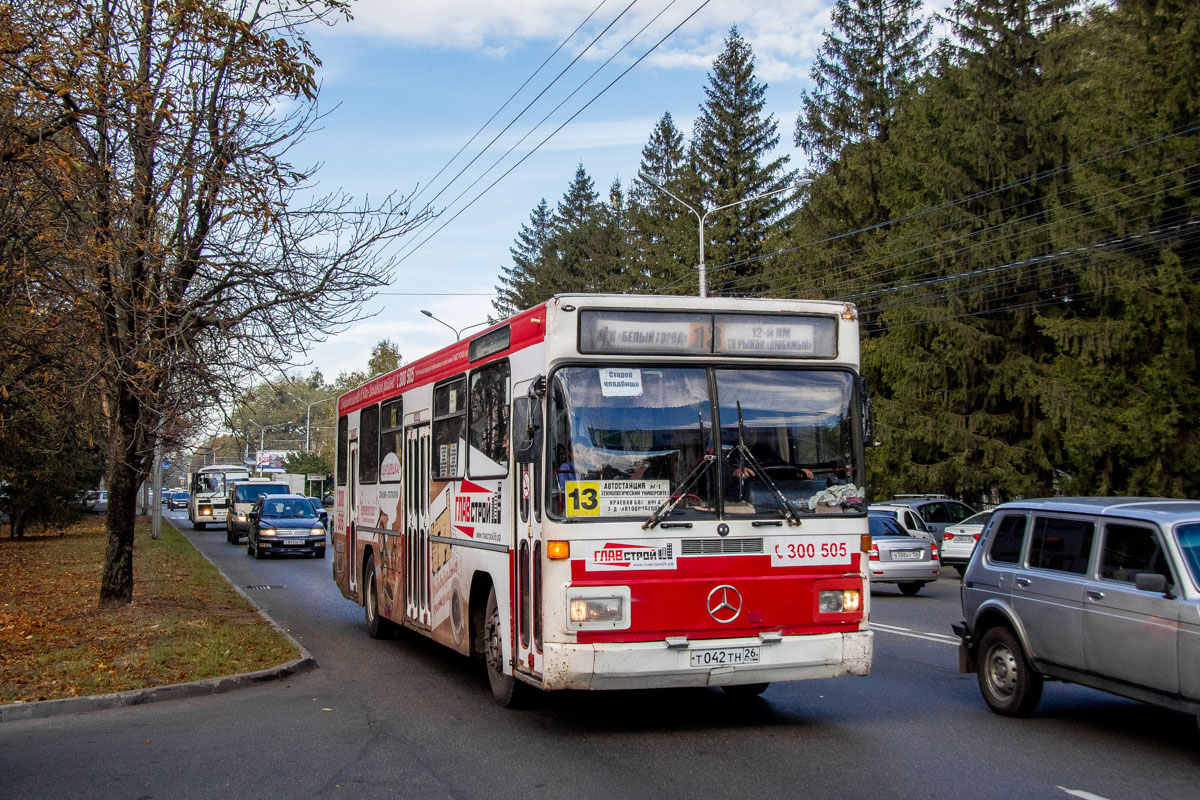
[133,697]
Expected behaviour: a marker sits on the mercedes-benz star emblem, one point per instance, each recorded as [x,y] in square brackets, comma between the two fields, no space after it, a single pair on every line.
[724,603]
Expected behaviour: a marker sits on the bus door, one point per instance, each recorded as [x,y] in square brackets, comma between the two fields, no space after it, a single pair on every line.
[418,452]
[352,516]
[526,541]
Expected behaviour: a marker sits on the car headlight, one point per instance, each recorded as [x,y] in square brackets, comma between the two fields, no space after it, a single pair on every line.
[839,601]
[316,531]
[603,608]
[266,531]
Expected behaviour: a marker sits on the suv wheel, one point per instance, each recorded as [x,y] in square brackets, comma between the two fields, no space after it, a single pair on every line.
[1009,685]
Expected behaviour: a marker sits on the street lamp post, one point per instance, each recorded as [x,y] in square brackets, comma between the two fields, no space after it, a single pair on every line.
[457,331]
[703,274]
[308,422]
[308,416]
[261,442]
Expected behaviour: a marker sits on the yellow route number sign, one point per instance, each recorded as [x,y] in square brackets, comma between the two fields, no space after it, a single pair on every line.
[583,498]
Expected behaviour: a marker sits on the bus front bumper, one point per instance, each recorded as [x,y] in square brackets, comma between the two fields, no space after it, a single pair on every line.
[648,665]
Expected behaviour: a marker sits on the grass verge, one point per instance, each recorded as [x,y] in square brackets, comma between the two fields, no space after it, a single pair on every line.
[185,623]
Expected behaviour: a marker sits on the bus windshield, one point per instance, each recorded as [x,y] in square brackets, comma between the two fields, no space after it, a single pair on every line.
[210,482]
[625,441]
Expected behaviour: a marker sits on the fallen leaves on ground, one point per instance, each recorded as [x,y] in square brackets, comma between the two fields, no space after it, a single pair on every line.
[185,623]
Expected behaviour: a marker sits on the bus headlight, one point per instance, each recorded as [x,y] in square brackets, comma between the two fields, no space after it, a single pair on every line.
[598,608]
[839,601]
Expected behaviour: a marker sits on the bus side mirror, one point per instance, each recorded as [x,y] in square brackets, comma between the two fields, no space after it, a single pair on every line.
[867,422]
[527,431]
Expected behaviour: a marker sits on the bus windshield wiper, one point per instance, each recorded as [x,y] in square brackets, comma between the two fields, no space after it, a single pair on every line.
[668,505]
[756,470]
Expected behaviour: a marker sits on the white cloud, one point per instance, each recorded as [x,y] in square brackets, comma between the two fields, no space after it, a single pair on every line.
[784,33]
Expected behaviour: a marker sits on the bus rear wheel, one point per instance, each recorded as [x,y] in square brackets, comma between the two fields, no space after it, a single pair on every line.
[508,691]
[377,626]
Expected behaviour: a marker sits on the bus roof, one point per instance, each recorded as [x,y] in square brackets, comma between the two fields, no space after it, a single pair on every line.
[525,329]
[529,327]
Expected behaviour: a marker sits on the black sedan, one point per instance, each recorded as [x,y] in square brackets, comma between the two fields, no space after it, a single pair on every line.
[282,524]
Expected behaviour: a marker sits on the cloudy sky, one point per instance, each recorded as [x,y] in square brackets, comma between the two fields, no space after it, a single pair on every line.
[408,83]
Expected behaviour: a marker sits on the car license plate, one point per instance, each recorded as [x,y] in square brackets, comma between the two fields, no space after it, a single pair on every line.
[906,555]
[724,656]
[293,541]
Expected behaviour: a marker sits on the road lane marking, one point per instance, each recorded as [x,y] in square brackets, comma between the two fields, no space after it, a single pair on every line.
[1080,793]
[941,638]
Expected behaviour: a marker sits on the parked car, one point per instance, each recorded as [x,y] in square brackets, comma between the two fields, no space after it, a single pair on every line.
[1103,592]
[178,499]
[283,524]
[96,502]
[907,518]
[958,541]
[909,560]
[936,510]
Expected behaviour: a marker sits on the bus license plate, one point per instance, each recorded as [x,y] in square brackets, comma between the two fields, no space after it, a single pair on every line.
[725,656]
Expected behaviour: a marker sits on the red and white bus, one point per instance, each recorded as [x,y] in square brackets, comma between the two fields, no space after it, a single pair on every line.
[619,492]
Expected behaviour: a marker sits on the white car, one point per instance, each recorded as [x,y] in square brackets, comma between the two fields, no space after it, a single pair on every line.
[908,519]
[959,540]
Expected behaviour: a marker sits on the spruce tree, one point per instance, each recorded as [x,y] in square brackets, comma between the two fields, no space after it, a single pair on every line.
[610,245]
[664,250]
[574,241]
[732,141]
[959,286]
[1123,388]
[519,284]
[868,61]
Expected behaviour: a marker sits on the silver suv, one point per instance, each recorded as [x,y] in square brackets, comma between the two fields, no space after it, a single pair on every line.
[1103,592]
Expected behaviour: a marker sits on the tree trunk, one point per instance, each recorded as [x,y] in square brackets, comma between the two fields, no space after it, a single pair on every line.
[126,453]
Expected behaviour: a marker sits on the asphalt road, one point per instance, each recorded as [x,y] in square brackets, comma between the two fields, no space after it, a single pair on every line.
[404,718]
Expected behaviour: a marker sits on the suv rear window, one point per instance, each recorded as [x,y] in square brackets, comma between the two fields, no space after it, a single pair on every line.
[1061,544]
[1129,551]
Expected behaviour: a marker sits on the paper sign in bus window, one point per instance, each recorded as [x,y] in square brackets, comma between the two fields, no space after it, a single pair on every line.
[621,382]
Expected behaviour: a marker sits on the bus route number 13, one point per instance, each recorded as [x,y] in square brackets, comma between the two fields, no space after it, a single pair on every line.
[583,498]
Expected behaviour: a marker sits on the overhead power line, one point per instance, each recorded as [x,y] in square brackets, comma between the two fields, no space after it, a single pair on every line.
[570,119]
[504,105]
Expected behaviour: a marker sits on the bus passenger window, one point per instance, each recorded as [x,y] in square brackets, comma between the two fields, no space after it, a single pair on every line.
[489,421]
[449,429]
